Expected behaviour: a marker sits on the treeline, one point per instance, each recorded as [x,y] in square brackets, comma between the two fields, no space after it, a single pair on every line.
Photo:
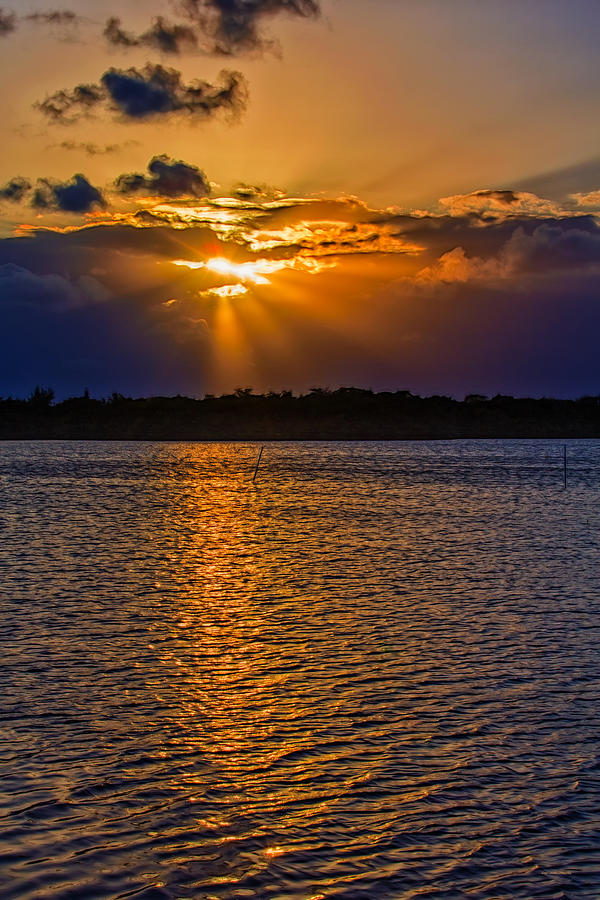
[344,414]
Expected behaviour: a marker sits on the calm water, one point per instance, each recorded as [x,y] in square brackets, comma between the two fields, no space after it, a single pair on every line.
[373,674]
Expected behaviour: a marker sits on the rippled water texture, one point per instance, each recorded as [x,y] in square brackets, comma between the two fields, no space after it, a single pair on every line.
[372,674]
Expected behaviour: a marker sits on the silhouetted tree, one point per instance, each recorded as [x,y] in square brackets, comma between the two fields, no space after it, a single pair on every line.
[41,398]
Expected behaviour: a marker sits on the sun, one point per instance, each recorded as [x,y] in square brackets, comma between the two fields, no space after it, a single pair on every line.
[248,271]
[253,272]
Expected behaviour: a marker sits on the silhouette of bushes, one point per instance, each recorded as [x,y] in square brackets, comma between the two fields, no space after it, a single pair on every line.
[344,414]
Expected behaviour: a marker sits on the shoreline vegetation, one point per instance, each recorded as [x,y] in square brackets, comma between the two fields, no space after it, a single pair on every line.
[321,414]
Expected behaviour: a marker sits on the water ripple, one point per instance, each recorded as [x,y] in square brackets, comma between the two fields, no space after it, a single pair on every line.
[372,674]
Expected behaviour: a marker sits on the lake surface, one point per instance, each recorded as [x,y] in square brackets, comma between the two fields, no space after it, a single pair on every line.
[373,673]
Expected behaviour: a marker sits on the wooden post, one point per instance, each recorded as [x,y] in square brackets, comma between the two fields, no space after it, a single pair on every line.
[258,462]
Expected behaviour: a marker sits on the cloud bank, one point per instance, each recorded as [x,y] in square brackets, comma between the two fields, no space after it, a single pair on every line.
[193,293]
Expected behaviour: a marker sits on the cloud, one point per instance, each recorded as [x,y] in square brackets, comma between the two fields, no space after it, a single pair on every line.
[141,94]
[15,189]
[234,26]
[433,248]
[224,27]
[549,248]
[257,192]
[553,247]
[589,200]
[74,196]
[8,22]
[167,178]
[66,106]
[498,204]
[285,226]
[21,287]
[91,149]
[156,90]
[455,267]
[74,332]
[53,17]
[168,37]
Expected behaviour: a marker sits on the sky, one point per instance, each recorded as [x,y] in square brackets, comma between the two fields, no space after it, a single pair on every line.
[202,195]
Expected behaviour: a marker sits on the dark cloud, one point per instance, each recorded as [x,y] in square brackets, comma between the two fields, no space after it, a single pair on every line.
[221,26]
[551,246]
[235,25]
[138,94]
[88,329]
[25,288]
[74,196]
[168,37]
[478,236]
[156,90]
[83,250]
[167,178]
[8,21]
[15,189]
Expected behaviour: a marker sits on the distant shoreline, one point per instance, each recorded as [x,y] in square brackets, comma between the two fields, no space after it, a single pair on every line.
[348,414]
[306,440]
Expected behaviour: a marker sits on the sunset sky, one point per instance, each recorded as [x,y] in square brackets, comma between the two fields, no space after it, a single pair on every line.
[200,195]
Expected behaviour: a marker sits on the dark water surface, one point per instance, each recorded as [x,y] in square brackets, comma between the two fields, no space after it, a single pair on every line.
[373,674]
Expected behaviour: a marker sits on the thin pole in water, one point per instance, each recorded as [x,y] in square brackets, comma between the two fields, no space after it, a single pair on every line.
[565,466]
[258,462]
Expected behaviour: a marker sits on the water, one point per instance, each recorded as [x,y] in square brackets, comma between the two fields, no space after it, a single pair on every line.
[373,674]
